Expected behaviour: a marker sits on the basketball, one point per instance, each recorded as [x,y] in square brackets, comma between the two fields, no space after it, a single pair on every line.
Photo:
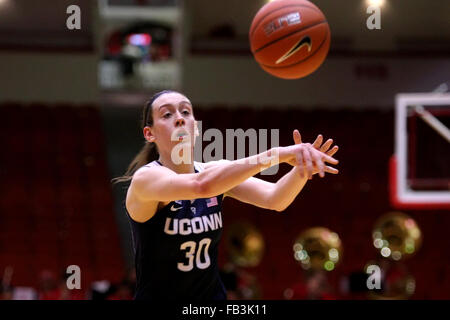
[289,39]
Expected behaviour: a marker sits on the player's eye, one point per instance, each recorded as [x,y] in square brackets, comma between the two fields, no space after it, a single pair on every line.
[166,115]
[185,112]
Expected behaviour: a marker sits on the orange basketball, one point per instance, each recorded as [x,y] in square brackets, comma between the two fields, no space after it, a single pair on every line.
[290,38]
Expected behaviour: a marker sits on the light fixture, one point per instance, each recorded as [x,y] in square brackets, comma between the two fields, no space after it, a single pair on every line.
[376,3]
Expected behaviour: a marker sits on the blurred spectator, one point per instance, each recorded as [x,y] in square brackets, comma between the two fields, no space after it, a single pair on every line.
[239,284]
[396,281]
[24,293]
[6,292]
[48,289]
[131,280]
[122,292]
[313,286]
[229,279]
[51,288]
[100,290]
[125,290]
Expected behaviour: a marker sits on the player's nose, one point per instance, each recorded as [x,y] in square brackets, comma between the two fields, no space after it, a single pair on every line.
[179,121]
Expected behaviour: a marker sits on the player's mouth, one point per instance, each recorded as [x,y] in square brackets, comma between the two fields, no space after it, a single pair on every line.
[181,135]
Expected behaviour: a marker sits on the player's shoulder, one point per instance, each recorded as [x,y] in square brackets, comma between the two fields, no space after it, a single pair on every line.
[153,164]
[152,171]
[147,170]
[156,166]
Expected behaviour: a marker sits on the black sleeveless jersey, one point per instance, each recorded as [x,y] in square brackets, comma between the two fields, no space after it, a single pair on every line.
[176,250]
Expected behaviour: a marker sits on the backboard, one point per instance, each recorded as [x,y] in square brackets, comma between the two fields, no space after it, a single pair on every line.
[420,167]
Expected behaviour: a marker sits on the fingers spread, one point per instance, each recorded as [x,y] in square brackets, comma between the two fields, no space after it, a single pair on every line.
[308,161]
[297,137]
[331,170]
[318,141]
[326,145]
[319,163]
[333,151]
[301,168]
[329,159]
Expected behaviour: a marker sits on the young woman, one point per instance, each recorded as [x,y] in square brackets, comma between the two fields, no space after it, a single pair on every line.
[175,207]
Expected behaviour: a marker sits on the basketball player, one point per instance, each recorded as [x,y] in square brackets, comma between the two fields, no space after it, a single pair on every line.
[175,210]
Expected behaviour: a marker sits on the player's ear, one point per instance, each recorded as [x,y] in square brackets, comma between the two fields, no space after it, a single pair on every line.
[148,134]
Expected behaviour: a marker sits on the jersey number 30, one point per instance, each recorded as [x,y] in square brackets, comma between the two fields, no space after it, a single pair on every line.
[191,247]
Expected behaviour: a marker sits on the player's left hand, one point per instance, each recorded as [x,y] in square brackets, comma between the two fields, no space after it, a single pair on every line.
[325,148]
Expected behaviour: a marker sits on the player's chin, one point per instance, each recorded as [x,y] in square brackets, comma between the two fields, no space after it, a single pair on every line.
[183,144]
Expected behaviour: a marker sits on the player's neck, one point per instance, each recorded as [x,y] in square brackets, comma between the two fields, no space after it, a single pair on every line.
[178,168]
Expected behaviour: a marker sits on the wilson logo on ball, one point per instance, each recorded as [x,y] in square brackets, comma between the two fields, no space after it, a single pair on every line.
[286,20]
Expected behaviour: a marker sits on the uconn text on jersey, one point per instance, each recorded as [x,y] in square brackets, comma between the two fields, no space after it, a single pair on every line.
[195,225]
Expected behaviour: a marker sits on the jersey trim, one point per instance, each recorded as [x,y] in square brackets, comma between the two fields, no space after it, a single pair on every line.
[198,166]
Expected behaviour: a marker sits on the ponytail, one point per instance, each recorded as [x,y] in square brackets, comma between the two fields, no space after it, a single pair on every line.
[149,151]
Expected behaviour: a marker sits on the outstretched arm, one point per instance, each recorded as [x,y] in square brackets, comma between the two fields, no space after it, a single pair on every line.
[162,184]
[278,196]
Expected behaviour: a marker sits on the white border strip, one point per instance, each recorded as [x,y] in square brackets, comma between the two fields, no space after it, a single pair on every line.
[404,193]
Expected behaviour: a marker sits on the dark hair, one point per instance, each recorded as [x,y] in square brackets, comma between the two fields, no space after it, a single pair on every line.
[149,151]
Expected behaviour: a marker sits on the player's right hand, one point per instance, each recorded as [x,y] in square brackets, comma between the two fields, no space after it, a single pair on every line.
[308,158]
[325,148]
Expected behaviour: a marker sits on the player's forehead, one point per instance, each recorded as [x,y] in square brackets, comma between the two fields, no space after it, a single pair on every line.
[173,98]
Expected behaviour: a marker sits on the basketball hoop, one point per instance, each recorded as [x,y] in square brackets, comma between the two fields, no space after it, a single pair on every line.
[408,190]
